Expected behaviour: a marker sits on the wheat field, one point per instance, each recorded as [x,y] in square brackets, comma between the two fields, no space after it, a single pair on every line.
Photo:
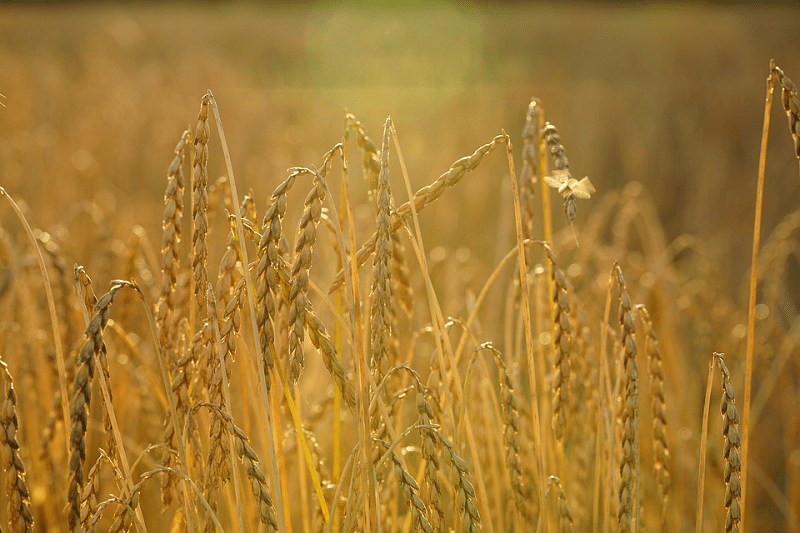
[331,268]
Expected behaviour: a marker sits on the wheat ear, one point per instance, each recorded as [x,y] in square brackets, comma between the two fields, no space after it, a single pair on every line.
[731,450]
[465,492]
[381,296]
[629,464]
[560,161]
[423,197]
[527,174]
[170,249]
[219,466]
[307,236]
[16,490]
[791,104]
[200,209]
[658,401]
[511,425]
[564,513]
[562,342]
[82,396]
[370,159]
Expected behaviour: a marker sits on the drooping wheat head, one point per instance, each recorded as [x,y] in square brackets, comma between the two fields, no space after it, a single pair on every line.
[218,466]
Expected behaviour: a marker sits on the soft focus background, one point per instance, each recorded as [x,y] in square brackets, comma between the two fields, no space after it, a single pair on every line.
[671,96]
[667,96]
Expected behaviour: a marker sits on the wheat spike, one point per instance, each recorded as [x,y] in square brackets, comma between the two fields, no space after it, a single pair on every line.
[732,450]
[629,465]
[16,490]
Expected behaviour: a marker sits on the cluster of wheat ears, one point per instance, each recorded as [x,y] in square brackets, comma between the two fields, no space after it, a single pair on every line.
[521,413]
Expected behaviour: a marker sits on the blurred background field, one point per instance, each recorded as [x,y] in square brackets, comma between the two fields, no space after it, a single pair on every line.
[658,103]
[670,96]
